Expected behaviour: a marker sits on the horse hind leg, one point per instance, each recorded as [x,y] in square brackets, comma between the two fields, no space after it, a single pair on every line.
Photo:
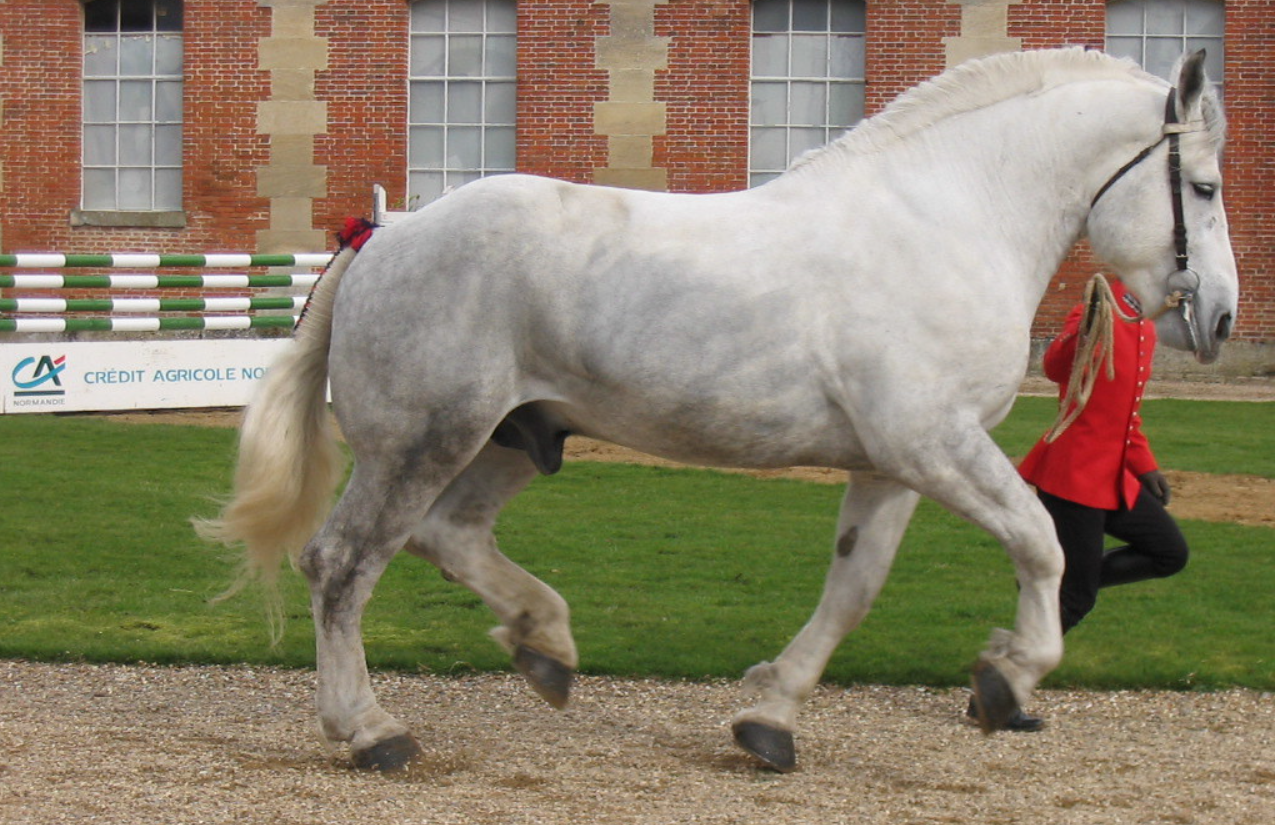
[873,517]
[343,563]
[457,537]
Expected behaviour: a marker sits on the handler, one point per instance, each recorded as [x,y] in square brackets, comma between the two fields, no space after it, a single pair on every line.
[1094,470]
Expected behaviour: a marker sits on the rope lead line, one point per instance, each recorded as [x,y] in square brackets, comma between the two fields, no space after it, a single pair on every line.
[1094,346]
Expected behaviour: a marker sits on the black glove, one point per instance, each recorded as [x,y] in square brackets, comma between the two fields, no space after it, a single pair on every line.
[1157,485]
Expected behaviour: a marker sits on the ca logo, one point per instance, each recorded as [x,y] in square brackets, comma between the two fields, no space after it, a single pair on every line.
[38,376]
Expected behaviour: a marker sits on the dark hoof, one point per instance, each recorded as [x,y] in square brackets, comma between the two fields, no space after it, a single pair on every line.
[393,754]
[1019,723]
[550,678]
[994,700]
[771,745]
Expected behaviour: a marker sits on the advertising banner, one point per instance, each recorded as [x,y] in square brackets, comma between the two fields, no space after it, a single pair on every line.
[86,376]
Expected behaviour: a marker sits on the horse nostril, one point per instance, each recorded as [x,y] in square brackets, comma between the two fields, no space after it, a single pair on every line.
[1224,327]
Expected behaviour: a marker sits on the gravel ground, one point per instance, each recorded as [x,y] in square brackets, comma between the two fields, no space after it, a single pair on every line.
[110,744]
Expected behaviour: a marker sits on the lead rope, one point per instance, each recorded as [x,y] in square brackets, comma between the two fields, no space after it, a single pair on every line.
[1095,347]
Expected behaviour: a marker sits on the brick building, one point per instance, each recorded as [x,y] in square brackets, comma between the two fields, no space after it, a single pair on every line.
[219,125]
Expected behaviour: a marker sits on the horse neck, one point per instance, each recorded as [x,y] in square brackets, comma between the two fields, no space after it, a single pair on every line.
[1018,176]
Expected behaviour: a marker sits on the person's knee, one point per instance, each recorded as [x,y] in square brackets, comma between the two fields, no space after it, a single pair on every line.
[1172,562]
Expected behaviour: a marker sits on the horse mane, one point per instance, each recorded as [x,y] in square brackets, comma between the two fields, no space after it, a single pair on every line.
[977,84]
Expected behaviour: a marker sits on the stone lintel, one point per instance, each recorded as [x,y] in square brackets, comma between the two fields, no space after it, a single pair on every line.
[630,151]
[292,117]
[960,49]
[629,118]
[292,181]
[654,180]
[632,86]
[291,241]
[619,53]
[292,53]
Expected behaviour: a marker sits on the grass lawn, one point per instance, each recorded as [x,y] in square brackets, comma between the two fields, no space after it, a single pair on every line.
[673,573]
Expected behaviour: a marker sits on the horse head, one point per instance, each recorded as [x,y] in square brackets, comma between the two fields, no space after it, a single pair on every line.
[1159,220]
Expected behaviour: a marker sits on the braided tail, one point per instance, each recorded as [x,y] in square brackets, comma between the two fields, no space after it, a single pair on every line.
[289,460]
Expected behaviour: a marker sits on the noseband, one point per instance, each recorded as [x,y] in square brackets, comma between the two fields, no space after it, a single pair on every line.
[1183,281]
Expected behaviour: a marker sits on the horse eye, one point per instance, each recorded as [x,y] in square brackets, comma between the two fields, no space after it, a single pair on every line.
[1205,190]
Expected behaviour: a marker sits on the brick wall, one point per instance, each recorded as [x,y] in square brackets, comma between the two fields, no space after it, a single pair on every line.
[40,147]
[222,149]
[1249,172]
[704,88]
[905,46]
[365,87]
[40,139]
[558,85]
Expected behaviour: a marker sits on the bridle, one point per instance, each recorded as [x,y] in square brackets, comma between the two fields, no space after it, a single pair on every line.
[1183,282]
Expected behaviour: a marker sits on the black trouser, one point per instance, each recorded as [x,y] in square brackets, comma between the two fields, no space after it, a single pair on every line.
[1156,548]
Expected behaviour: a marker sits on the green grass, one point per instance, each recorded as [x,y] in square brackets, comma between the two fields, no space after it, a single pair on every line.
[675,573]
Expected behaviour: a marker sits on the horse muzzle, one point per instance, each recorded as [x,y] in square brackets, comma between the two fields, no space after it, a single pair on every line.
[1185,326]
[1206,333]
[1209,345]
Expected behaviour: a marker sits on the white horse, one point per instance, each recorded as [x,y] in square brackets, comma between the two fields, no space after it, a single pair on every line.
[869,310]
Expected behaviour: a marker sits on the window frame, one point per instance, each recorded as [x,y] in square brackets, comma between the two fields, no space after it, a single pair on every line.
[164,89]
[488,123]
[1185,39]
[852,11]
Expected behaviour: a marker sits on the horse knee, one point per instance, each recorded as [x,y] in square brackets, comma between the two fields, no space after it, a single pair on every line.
[1040,564]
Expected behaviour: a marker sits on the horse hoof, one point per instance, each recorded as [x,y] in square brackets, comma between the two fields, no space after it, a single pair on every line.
[550,678]
[393,754]
[993,697]
[771,745]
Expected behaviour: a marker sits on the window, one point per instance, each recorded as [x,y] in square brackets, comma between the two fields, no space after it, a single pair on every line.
[807,79]
[1155,33]
[462,94]
[132,105]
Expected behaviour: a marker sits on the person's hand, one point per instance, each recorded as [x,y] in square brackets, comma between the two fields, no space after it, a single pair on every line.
[1157,485]
[1091,314]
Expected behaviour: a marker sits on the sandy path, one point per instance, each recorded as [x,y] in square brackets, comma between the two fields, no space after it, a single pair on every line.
[141,745]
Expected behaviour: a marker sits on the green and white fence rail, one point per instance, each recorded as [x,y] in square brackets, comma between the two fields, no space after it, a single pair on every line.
[107,307]
[140,371]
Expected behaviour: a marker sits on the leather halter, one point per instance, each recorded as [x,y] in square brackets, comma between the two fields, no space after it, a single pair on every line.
[1181,297]
[1172,131]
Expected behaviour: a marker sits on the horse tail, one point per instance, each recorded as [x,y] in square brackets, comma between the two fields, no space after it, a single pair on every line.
[289,459]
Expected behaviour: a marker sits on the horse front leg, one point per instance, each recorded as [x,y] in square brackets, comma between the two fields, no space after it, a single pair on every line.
[874,515]
[977,481]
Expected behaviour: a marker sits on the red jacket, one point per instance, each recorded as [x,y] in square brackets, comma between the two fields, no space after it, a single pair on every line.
[1098,459]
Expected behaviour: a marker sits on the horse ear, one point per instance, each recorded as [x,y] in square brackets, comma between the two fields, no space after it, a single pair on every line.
[1191,81]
